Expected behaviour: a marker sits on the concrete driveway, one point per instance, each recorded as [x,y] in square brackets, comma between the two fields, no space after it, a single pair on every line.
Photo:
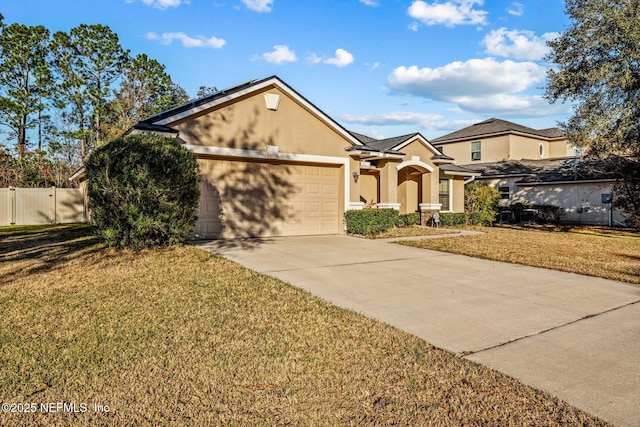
[574,336]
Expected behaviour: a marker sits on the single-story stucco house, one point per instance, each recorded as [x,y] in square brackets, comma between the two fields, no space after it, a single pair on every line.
[274,164]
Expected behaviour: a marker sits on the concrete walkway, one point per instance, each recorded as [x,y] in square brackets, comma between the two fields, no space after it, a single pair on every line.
[574,336]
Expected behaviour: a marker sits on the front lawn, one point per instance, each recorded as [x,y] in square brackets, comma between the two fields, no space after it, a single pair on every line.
[414,231]
[594,251]
[180,337]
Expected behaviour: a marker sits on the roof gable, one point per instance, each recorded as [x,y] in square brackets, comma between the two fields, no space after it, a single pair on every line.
[202,105]
[396,143]
[493,126]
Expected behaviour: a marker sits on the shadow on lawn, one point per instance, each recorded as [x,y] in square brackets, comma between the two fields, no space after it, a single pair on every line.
[34,249]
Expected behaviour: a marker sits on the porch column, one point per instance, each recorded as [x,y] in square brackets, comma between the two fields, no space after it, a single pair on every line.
[354,186]
[388,185]
[430,196]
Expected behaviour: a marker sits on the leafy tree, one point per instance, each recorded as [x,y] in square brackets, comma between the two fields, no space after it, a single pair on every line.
[481,199]
[145,89]
[70,92]
[598,69]
[179,96]
[143,191]
[25,78]
[88,60]
[598,60]
[205,91]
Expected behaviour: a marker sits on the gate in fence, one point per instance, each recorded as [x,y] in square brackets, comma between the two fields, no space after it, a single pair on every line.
[31,206]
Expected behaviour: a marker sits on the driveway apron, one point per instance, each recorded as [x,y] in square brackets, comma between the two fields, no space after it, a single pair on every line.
[574,336]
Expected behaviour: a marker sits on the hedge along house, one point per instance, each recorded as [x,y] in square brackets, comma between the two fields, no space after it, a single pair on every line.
[273,164]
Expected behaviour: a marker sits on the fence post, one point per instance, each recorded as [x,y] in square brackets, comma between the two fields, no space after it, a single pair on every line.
[12,195]
[55,204]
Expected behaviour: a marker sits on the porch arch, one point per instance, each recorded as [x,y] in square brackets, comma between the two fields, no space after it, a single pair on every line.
[417,164]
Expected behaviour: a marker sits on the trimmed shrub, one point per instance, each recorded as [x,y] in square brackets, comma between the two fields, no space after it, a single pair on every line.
[461,218]
[406,220]
[143,191]
[370,221]
[450,218]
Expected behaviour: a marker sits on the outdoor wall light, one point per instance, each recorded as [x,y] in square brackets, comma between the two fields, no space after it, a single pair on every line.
[356,175]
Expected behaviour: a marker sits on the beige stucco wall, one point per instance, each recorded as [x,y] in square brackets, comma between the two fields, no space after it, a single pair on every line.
[416,148]
[521,147]
[409,189]
[581,201]
[507,147]
[369,181]
[560,148]
[492,150]
[248,124]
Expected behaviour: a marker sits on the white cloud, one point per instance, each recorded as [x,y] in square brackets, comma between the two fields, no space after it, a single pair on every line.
[516,9]
[280,54]
[391,119]
[518,44]
[259,5]
[313,59]
[475,77]
[424,121]
[371,3]
[187,41]
[372,66]
[506,105]
[162,4]
[342,58]
[483,86]
[450,14]
[414,26]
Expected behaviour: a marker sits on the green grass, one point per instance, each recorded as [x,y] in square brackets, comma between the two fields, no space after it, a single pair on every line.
[180,337]
[594,251]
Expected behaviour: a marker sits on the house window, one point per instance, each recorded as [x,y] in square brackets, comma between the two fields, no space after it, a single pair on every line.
[475,150]
[504,192]
[541,150]
[444,195]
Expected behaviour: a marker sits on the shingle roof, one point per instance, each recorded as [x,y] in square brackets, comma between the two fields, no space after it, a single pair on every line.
[362,138]
[496,126]
[455,169]
[389,143]
[548,170]
[575,170]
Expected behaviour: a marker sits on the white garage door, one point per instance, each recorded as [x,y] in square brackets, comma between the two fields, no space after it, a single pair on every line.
[257,199]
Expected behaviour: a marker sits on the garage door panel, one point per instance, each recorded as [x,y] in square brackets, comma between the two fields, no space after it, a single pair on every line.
[330,189]
[263,199]
[313,189]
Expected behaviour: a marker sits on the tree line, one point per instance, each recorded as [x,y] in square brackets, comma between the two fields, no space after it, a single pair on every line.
[63,94]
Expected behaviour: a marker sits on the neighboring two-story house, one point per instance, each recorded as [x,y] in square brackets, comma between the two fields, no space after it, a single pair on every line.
[534,167]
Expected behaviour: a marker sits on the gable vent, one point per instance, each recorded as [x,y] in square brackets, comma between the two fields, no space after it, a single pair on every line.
[272,100]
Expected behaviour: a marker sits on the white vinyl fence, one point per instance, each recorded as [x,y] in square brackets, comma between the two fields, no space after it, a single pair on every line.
[30,206]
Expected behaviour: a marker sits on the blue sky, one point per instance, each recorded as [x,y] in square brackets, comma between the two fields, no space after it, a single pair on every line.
[379,67]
